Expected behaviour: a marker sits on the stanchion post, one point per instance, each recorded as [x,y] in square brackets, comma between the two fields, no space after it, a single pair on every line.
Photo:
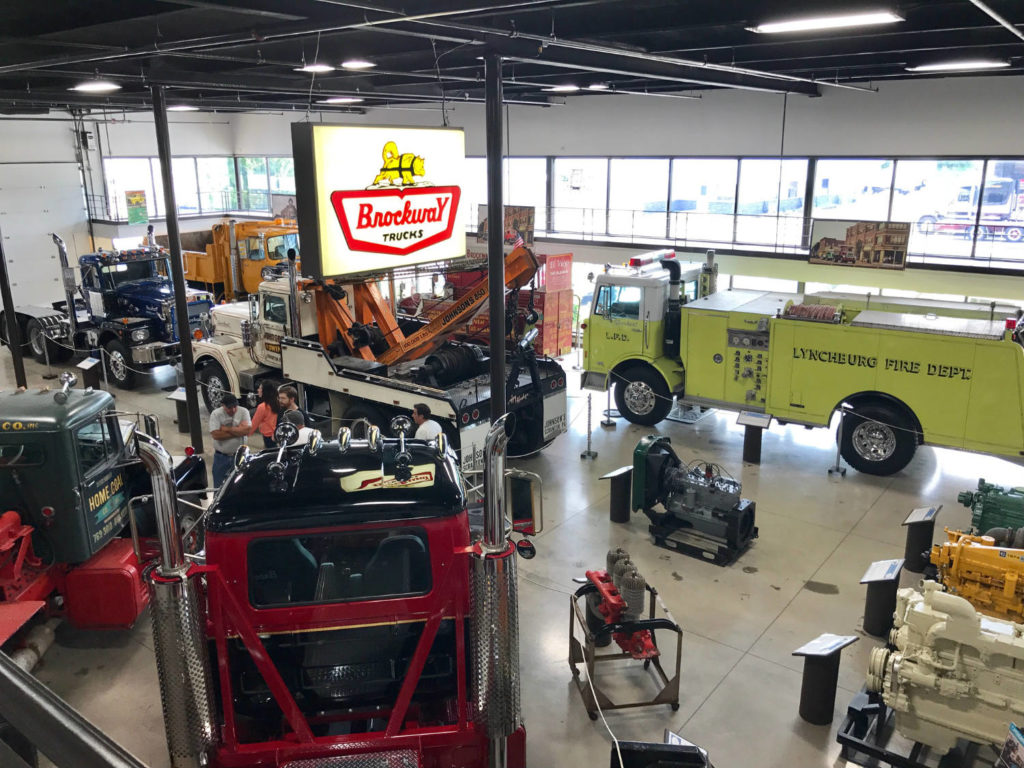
[608,421]
[103,365]
[837,468]
[46,355]
[590,453]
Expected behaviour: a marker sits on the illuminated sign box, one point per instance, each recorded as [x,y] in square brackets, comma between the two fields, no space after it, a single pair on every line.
[374,198]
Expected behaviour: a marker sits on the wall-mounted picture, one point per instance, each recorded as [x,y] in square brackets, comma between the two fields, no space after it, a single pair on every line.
[874,244]
[283,206]
[518,225]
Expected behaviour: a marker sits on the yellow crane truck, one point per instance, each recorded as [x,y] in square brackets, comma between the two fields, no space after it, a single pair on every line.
[900,378]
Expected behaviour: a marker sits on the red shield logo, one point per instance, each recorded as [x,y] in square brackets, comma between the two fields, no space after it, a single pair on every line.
[396,221]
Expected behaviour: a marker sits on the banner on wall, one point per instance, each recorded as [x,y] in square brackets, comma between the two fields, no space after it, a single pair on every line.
[873,244]
[518,225]
[375,198]
[136,203]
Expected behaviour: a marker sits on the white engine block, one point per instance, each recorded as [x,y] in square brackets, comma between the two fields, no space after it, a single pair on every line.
[953,674]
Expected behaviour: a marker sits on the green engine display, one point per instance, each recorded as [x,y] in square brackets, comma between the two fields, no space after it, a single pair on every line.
[994,507]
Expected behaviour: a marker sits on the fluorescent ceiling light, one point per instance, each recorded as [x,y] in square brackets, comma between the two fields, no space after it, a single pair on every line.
[96,86]
[341,100]
[827,22]
[964,64]
[182,108]
[598,87]
[357,64]
[315,68]
[562,88]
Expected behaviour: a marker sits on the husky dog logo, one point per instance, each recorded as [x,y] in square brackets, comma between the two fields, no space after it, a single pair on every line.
[400,212]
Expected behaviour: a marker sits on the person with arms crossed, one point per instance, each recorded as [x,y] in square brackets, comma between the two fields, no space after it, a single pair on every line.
[426,427]
[229,428]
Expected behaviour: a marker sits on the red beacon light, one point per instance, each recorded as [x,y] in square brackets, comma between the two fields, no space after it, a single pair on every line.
[650,258]
[189,450]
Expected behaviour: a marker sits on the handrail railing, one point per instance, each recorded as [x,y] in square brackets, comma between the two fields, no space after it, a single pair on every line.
[53,726]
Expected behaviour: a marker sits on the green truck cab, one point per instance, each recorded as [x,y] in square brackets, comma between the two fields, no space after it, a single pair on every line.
[68,471]
[900,378]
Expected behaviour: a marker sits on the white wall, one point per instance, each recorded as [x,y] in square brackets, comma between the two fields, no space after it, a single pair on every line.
[956,116]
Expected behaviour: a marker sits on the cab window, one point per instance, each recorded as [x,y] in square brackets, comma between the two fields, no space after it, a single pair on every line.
[277,247]
[21,455]
[274,310]
[95,446]
[331,568]
[617,301]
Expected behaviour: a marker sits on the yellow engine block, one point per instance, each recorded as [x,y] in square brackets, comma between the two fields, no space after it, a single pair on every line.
[991,578]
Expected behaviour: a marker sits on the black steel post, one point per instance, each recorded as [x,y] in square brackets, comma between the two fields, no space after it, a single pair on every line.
[495,235]
[57,730]
[13,332]
[163,144]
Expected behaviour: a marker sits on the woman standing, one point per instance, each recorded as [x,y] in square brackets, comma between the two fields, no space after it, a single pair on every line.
[264,420]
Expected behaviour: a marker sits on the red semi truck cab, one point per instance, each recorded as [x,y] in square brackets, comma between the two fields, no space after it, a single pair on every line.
[338,610]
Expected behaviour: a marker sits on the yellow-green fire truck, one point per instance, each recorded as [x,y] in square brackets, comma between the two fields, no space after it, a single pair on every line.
[901,379]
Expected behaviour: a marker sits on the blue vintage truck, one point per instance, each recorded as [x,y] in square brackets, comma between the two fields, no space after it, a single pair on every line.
[123,304]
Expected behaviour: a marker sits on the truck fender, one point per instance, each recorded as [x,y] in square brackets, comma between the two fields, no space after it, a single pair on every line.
[671,371]
[884,397]
[205,353]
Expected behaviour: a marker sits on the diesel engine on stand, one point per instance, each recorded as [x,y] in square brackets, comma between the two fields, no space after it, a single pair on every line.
[949,672]
[984,570]
[994,507]
[704,516]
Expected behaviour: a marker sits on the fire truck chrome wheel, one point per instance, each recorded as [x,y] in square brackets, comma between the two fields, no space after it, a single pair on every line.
[874,441]
[640,398]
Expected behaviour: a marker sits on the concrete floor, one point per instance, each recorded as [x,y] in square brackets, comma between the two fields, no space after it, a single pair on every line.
[740,685]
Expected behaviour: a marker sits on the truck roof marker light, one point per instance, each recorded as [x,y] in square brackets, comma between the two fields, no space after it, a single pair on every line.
[189,450]
[649,258]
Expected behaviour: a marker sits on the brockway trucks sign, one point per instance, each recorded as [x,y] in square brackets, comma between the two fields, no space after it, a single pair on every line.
[377,198]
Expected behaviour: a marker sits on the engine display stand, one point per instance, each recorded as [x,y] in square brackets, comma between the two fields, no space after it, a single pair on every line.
[868,729]
[586,653]
[669,532]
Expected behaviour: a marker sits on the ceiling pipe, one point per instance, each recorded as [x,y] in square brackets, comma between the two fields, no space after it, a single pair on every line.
[278,32]
[555,42]
[997,17]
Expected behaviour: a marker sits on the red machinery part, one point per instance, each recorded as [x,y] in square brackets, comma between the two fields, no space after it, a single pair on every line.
[639,645]
[107,591]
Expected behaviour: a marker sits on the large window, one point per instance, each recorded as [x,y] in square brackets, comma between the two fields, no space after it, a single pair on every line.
[637,197]
[216,184]
[253,184]
[526,183]
[770,204]
[703,199]
[186,188]
[853,190]
[474,190]
[581,195]
[127,174]
[282,175]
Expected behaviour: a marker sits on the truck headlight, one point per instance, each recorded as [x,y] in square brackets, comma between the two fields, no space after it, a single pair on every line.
[140,335]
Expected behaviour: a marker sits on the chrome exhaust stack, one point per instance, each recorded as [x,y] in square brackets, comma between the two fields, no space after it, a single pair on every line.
[494,639]
[186,689]
[236,264]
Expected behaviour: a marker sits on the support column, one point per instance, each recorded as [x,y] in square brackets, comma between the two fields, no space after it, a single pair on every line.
[163,144]
[13,332]
[495,235]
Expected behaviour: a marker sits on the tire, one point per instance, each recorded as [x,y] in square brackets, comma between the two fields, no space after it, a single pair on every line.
[215,383]
[926,225]
[877,439]
[642,396]
[370,414]
[1014,233]
[36,341]
[118,362]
